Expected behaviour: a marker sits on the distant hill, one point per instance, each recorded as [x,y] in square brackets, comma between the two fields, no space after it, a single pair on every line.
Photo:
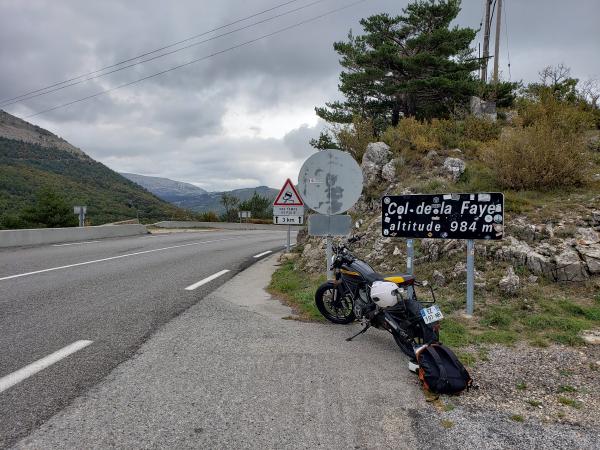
[188,196]
[32,158]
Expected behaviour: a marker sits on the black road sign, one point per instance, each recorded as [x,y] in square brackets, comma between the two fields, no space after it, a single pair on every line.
[444,216]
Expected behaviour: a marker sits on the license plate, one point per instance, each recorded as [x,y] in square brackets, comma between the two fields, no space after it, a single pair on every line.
[431,314]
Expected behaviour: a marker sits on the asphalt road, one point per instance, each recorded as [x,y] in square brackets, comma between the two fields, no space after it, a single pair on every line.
[113,292]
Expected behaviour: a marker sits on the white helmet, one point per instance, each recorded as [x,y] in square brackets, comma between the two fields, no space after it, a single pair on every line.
[383,293]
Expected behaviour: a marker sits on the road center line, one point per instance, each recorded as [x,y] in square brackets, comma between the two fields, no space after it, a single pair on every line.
[113,257]
[206,280]
[263,254]
[10,380]
[74,243]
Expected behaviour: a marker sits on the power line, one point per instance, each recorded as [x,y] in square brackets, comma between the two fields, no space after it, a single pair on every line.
[149,52]
[83,80]
[281,30]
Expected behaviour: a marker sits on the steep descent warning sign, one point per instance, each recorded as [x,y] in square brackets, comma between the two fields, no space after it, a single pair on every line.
[288,196]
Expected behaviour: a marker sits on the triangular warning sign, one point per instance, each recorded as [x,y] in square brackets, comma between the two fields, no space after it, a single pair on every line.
[288,196]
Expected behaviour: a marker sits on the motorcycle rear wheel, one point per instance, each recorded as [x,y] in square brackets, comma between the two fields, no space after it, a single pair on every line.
[332,307]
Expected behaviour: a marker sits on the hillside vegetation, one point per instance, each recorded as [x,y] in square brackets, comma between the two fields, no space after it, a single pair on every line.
[28,168]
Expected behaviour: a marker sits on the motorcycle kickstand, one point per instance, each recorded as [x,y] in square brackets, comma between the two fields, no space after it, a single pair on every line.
[359,333]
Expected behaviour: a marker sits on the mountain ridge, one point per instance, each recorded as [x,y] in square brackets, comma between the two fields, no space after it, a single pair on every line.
[33,159]
[192,197]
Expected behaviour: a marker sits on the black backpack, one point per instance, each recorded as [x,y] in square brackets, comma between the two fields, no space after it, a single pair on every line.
[440,371]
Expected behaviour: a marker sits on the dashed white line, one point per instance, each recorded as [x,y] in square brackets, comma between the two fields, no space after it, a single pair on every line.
[206,280]
[74,243]
[113,257]
[10,380]
[263,254]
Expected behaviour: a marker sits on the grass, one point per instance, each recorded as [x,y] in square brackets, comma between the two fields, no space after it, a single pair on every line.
[569,402]
[447,424]
[449,407]
[541,314]
[517,418]
[297,289]
[567,388]
[521,386]
[534,403]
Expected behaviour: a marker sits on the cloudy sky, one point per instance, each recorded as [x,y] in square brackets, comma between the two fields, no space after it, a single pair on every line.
[242,118]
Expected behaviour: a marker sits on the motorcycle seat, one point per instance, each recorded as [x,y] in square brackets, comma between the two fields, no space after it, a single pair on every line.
[401,279]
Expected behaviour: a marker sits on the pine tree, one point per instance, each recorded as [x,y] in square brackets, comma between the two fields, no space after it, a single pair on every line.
[414,64]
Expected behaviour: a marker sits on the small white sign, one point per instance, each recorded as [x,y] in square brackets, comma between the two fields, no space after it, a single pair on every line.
[77,209]
[288,220]
[288,210]
[244,214]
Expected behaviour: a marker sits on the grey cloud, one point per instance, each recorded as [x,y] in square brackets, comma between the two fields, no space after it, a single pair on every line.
[172,125]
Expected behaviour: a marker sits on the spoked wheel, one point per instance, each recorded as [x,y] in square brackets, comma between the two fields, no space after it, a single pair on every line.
[333,306]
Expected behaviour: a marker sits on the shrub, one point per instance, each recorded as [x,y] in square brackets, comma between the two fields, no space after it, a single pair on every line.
[354,138]
[411,134]
[539,157]
[208,216]
[482,130]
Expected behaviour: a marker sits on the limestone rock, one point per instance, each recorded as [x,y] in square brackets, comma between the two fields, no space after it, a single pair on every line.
[371,172]
[438,278]
[455,167]
[375,158]
[377,153]
[459,271]
[397,251]
[587,236]
[510,283]
[313,258]
[591,256]
[569,266]
[388,172]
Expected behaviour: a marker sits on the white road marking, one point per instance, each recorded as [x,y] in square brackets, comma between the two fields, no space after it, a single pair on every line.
[74,243]
[206,280]
[113,257]
[10,380]
[263,254]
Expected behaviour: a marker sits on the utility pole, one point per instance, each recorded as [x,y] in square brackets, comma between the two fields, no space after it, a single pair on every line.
[497,47]
[486,41]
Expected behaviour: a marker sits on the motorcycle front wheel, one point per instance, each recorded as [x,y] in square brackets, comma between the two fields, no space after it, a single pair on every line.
[334,307]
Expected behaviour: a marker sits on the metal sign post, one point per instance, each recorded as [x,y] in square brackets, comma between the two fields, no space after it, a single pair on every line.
[470,275]
[410,255]
[80,210]
[328,255]
[287,248]
[445,216]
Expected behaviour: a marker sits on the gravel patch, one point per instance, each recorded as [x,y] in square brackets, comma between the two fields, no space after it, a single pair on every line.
[557,384]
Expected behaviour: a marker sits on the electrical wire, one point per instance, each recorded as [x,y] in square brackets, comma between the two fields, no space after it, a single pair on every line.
[83,80]
[264,36]
[150,52]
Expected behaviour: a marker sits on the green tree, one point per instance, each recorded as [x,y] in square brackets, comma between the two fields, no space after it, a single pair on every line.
[259,206]
[49,210]
[230,203]
[414,64]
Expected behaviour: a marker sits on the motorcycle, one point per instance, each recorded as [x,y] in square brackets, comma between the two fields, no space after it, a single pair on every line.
[387,302]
